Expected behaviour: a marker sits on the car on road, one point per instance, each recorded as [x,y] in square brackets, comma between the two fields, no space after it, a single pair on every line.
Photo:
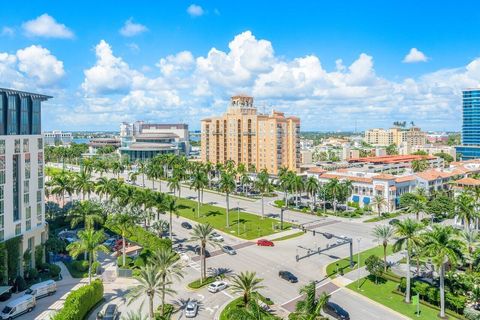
[264,243]
[217,286]
[186,225]
[229,250]
[197,251]
[17,307]
[42,289]
[337,312]
[393,222]
[217,237]
[287,275]
[191,309]
[111,313]
[328,235]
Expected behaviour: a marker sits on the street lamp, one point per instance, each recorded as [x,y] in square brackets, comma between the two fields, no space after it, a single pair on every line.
[358,263]
[238,218]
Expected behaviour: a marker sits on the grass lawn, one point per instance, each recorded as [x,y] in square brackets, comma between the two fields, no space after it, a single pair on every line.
[252,226]
[197,285]
[238,304]
[290,236]
[344,264]
[383,294]
[383,217]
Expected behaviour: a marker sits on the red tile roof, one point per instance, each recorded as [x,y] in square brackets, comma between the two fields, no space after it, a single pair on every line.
[383,176]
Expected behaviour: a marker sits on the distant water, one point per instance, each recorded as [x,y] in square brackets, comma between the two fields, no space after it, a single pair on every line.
[81,140]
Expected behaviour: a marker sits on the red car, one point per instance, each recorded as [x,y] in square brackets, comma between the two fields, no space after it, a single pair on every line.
[264,243]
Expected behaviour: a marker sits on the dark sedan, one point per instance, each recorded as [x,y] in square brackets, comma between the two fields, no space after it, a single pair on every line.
[186,225]
[287,275]
[336,311]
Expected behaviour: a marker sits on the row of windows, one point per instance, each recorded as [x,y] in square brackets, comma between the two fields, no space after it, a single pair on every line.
[19,115]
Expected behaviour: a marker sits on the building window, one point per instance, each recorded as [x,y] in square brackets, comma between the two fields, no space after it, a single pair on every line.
[40,143]
[40,158]
[2,147]
[2,177]
[12,118]
[27,166]
[26,186]
[26,198]
[16,187]
[28,225]
[2,222]
[28,212]
[39,195]
[39,214]
[2,235]
[17,145]
[18,229]
[36,117]
[40,183]
[26,145]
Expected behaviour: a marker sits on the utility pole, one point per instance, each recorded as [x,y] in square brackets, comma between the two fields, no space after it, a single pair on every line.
[281,218]
[358,264]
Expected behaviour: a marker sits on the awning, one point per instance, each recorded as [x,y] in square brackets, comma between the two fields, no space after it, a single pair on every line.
[355,198]
[4,289]
[366,200]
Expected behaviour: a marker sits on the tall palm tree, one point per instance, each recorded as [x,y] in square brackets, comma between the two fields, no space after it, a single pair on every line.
[160,226]
[383,234]
[172,208]
[443,246]
[104,186]
[133,176]
[117,168]
[198,183]
[263,185]
[285,180]
[150,284]
[123,221]
[416,207]
[297,185]
[334,188]
[202,233]
[174,185]
[379,202]
[246,283]
[245,181]
[472,243]
[89,242]
[227,185]
[86,212]
[311,187]
[311,307]
[465,209]
[61,185]
[170,267]
[83,183]
[408,233]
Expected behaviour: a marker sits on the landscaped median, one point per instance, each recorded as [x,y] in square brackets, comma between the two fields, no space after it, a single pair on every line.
[237,304]
[343,265]
[383,217]
[197,284]
[252,226]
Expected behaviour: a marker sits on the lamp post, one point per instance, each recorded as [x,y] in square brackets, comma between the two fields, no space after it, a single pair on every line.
[358,263]
[238,218]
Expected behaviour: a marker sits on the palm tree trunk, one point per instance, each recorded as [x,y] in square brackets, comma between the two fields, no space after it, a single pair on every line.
[150,298]
[198,204]
[163,295]
[228,209]
[385,257]
[263,213]
[442,290]
[407,293]
[170,228]
[90,255]
[124,254]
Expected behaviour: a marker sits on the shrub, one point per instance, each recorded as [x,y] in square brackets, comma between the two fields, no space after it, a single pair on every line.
[31,274]
[20,283]
[144,238]
[139,262]
[168,309]
[128,261]
[471,314]
[95,267]
[80,266]
[54,270]
[81,301]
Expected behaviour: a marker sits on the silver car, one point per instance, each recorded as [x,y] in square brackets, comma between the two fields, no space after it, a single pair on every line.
[229,250]
[191,309]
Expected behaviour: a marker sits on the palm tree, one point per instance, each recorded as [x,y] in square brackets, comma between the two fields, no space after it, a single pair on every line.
[172,208]
[117,168]
[465,209]
[174,185]
[263,185]
[285,182]
[443,246]
[472,243]
[169,266]
[133,177]
[334,188]
[199,182]
[384,234]
[83,183]
[408,233]
[150,284]
[246,283]
[160,226]
[61,184]
[417,206]
[227,185]
[87,212]
[89,242]
[202,233]
[124,222]
[379,202]
[104,186]
[245,181]
[311,187]
[297,185]
[311,307]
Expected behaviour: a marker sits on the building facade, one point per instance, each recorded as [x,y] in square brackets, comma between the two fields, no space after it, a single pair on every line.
[22,169]
[470,148]
[55,138]
[253,139]
[386,137]
[143,141]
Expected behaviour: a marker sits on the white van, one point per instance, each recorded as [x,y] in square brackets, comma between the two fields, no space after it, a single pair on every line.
[42,289]
[17,307]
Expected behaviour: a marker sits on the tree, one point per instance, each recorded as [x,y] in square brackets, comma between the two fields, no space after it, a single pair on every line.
[445,156]
[285,179]
[61,185]
[202,233]
[227,185]
[383,234]
[172,208]
[443,246]
[263,185]
[419,165]
[174,185]
[379,202]
[465,209]
[246,283]
[374,266]
[150,284]
[169,266]
[124,222]
[392,149]
[104,186]
[311,187]
[199,181]
[408,233]
[83,183]
[333,187]
[297,185]
[311,307]
[86,212]
[472,243]
[416,207]
[89,242]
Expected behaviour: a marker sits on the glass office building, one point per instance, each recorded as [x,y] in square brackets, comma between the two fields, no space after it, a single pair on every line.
[470,148]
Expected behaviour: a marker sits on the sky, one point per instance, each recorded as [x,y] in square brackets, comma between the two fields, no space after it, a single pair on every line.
[338,65]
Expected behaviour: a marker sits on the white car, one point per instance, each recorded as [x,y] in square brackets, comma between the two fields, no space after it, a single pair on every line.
[217,237]
[217,286]
[191,309]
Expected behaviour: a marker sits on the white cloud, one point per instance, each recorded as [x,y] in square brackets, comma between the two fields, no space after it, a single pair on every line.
[415,55]
[195,10]
[40,64]
[131,28]
[46,26]
[7,31]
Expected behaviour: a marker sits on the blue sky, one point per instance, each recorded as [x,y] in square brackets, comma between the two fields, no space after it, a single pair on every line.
[333,64]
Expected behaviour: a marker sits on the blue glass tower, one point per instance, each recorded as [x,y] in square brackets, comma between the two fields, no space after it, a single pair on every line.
[470,148]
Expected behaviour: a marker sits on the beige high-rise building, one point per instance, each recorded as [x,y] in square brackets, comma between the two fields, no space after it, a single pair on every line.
[385,137]
[245,136]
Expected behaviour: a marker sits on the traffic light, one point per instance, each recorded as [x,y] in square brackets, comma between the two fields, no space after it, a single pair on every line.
[313,233]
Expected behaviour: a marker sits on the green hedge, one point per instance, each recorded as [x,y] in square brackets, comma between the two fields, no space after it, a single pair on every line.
[144,238]
[80,302]
[197,285]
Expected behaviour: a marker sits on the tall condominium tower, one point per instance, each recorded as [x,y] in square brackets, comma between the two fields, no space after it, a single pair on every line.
[253,139]
[21,171]
[470,148]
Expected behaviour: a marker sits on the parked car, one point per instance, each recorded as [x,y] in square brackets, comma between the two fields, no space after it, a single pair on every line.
[197,251]
[42,289]
[393,222]
[229,250]
[17,307]
[217,237]
[265,243]
[111,312]
[191,309]
[336,311]
[217,286]
[7,294]
[110,242]
[119,245]
[287,275]
[186,225]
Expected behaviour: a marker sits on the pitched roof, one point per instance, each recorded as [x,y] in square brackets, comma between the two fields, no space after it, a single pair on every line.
[406,178]
[383,176]
[468,182]
[351,178]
